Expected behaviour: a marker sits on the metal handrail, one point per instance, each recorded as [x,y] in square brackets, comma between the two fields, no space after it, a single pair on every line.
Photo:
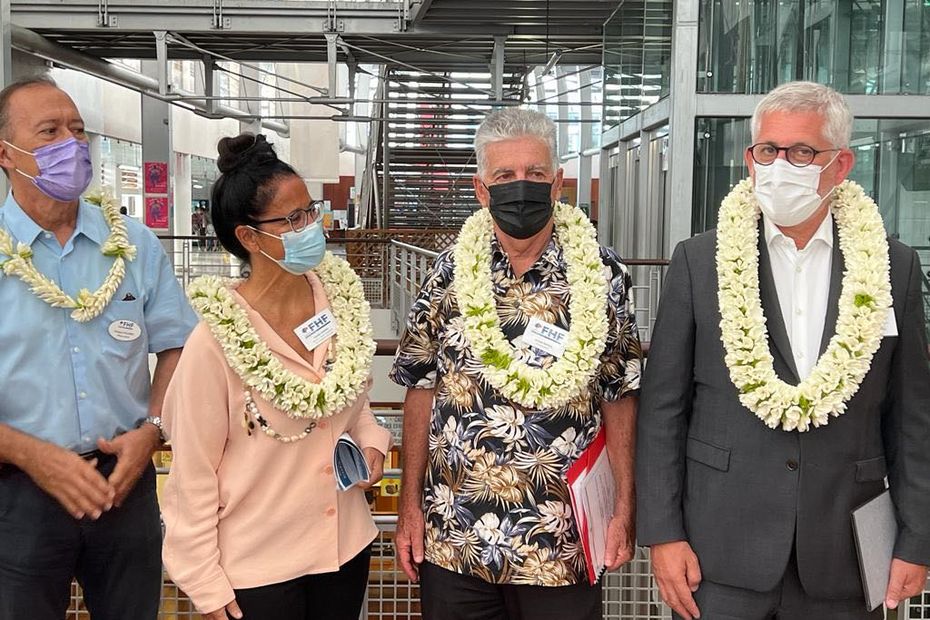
[414,249]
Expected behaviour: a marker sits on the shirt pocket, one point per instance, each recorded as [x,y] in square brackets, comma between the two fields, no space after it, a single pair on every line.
[124,327]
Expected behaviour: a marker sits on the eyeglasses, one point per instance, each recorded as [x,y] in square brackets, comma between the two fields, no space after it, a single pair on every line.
[298,219]
[799,155]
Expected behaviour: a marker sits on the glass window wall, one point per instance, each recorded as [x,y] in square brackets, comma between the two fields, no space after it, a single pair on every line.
[861,47]
[121,171]
[637,58]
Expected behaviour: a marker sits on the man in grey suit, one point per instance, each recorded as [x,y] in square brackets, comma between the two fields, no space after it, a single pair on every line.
[744,493]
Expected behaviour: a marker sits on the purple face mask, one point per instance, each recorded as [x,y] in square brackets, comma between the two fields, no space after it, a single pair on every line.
[65,169]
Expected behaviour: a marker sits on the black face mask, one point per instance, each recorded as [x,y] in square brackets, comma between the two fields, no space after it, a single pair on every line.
[521,208]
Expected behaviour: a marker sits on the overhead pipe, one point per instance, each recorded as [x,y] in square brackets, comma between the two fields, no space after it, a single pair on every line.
[33,43]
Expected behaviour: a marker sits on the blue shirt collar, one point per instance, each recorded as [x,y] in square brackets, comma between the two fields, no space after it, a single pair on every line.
[90,222]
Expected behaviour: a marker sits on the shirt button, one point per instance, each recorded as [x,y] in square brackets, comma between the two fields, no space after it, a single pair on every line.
[83,394]
[323,424]
[328,470]
[792,465]
[800,356]
[798,312]
[76,349]
[797,269]
[47,235]
[330,512]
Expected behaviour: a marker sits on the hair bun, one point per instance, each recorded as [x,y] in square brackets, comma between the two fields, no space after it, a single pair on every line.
[243,150]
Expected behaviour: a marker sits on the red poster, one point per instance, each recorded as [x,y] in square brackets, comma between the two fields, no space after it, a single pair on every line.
[156,177]
[156,211]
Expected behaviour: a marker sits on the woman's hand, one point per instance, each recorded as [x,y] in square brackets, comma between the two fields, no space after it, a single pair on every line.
[375,461]
[224,613]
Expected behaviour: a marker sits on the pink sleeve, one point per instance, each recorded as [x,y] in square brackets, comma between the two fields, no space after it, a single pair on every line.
[367,433]
[197,424]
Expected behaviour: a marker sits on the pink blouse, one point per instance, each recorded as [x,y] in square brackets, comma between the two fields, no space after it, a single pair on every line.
[244,511]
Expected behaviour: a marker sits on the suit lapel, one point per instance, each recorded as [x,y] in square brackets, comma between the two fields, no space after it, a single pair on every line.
[837,267]
[774,321]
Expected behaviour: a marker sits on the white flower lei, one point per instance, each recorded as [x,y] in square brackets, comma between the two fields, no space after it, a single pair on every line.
[88,305]
[863,309]
[572,373]
[258,367]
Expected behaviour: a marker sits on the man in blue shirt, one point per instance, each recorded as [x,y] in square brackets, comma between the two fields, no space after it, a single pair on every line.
[79,413]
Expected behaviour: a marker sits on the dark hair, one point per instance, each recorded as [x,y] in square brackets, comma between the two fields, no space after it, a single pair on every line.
[249,171]
[7,93]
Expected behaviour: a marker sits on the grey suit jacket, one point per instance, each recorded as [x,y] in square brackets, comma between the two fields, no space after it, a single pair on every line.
[710,472]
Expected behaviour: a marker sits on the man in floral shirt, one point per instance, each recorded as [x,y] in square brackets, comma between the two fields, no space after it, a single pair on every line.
[491,422]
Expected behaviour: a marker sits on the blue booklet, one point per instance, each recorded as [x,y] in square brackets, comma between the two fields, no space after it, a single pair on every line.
[349,463]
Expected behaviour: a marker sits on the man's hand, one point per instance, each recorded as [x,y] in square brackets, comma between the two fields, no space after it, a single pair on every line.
[74,482]
[224,613]
[133,451]
[620,539]
[375,461]
[906,580]
[678,574]
[408,540]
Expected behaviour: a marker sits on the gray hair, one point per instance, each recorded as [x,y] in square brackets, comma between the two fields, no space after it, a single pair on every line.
[7,93]
[809,97]
[515,123]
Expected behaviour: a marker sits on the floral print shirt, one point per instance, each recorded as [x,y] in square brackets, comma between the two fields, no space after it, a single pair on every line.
[495,498]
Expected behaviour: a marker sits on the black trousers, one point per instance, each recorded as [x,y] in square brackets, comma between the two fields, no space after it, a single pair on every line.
[446,595]
[116,559]
[787,601]
[323,596]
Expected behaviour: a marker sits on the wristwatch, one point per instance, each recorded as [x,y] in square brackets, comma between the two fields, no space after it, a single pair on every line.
[156,422]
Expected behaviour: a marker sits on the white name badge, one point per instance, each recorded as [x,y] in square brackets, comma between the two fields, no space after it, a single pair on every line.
[124,330]
[891,325]
[546,337]
[317,329]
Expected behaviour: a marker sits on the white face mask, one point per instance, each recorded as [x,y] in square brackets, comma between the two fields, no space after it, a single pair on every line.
[787,194]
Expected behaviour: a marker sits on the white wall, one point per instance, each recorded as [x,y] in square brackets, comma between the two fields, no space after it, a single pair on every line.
[571,167]
[116,112]
[196,135]
[108,109]
[347,164]
[314,143]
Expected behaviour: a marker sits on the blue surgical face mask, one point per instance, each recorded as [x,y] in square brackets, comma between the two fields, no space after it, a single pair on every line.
[303,250]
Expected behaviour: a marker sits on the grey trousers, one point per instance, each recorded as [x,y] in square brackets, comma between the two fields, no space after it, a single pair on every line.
[787,601]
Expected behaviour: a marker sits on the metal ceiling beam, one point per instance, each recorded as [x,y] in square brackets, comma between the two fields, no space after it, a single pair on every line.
[32,43]
[419,9]
[332,61]
[275,18]
[276,31]
[497,67]
[265,16]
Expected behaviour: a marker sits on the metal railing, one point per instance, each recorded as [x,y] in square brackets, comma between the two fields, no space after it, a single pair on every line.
[648,277]
[193,257]
[370,257]
[408,268]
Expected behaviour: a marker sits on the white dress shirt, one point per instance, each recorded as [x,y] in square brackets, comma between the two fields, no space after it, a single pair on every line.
[802,280]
